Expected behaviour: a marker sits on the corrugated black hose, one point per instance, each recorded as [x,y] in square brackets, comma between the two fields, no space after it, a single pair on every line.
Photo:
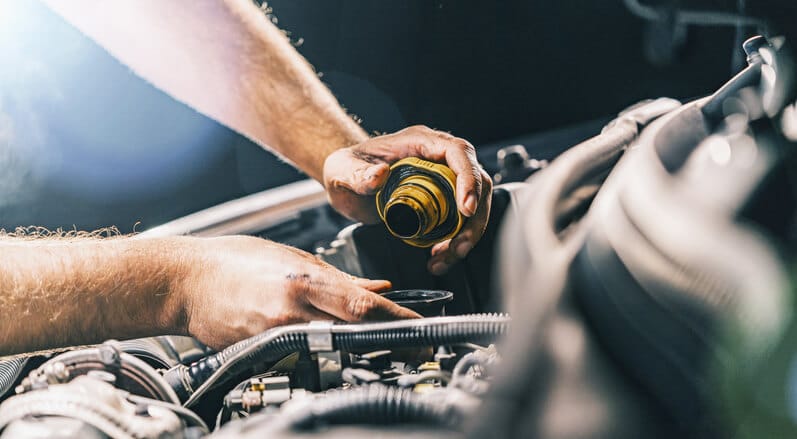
[375,404]
[191,381]
[9,372]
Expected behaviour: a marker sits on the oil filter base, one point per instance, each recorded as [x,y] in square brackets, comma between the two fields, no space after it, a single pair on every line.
[428,303]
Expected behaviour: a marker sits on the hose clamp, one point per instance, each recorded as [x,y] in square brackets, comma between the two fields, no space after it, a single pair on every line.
[319,336]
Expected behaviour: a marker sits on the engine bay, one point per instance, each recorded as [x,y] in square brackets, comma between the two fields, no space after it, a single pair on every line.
[430,372]
[638,283]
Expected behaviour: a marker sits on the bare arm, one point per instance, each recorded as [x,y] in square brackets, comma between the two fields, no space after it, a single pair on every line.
[226,60]
[62,292]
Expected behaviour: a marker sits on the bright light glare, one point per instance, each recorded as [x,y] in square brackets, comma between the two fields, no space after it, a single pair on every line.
[74,119]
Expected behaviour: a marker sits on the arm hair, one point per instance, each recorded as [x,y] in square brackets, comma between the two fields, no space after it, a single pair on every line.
[67,288]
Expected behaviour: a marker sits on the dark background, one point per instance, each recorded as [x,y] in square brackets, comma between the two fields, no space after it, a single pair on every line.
[486,71]
[490,70]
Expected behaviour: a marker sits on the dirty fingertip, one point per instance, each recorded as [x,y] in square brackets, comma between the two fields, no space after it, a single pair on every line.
[438,268]
[440,247]
[463,248]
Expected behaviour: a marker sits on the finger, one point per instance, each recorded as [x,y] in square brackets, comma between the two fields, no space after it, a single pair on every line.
[436,264]
[458,248]
[440,264]
[374,285]
[473,229]
[458,154]
[315,315]
[469,179]
[344,170]
[356,304]
[350,192]
[440,247]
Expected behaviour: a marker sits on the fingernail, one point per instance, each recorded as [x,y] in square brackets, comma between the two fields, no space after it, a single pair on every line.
[439,268]
[463,248]
[470,204]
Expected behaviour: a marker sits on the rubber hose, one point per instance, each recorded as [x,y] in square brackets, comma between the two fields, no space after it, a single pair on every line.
[272,350]
[375,404]
[9,373]
[468,361]
[476,331]
[276,343]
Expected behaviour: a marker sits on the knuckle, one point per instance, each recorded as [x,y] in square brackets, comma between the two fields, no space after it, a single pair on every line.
[476,173]
[476,177]
[361,306]
[419,128]
[466,146]
[487,181]
[297,286]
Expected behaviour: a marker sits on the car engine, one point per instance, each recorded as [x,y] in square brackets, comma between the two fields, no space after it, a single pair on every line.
[298,376]
[633,279]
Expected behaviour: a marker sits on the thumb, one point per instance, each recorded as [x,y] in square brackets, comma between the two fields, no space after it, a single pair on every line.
[354,174]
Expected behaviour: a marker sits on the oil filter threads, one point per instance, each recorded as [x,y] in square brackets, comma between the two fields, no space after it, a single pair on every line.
[418,202]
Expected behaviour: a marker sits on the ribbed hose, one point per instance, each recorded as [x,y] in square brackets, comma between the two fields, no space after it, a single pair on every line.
[375,404]
[273,349]
[274,344]
[477,330]
[9,373]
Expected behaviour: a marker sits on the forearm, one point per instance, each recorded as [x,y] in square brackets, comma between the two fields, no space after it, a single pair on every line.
[59,292]
[294,110]
[226,60]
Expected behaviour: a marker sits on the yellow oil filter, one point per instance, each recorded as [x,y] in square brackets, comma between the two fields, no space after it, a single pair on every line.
[418,202]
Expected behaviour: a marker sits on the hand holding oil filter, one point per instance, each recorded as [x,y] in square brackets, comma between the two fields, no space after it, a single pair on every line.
[418,202]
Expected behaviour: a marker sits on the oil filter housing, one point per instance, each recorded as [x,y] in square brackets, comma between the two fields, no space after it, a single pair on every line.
[418,202]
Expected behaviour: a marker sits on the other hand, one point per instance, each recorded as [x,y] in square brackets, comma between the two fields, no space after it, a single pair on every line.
[238,286]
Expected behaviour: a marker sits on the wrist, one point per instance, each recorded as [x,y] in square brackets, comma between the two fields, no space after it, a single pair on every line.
[313,146]
[180,260]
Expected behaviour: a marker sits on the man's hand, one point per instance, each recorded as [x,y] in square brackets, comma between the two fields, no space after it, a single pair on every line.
[241,286]
[353,175]
[75,290]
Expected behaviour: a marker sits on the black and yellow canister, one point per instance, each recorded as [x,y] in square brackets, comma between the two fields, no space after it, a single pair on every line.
[418,202]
